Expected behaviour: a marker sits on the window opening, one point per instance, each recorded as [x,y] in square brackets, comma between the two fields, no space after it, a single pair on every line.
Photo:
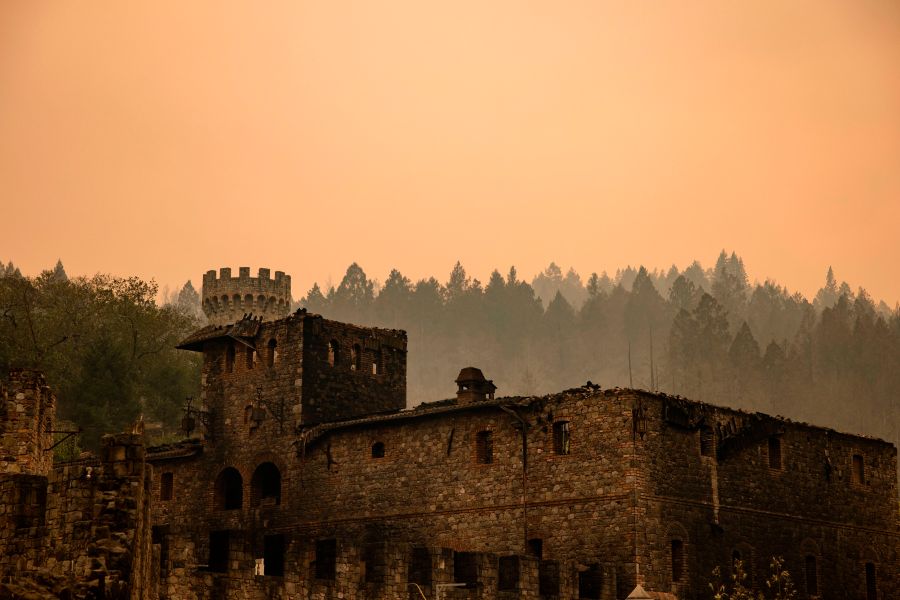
[508,573]
[229,358]
[858,470]
[561,437]
[160,536]
[326,559]
[229,490]
[272,354]
[265,485]
[465,568]
[677,560]
[273,556]
[218,551]
[166,486]
[590,582]
[548,578]
[373,563]
[419,567]
[378,450]
[355,357]
[332,353]
[774,452]
[812,576]
[484,447]
[376,363]
[707,441]
[871,588]
[536,548]
[251,357]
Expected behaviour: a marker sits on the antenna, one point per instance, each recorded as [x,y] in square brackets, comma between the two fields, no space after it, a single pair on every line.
[630,380]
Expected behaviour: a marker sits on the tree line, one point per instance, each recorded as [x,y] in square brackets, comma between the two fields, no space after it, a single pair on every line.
[707,334]
[107,346]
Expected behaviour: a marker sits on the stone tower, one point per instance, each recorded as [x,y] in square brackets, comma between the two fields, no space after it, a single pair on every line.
[226,299]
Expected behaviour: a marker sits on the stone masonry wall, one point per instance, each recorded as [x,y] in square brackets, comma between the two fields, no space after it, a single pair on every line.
[225,298]
[27,415]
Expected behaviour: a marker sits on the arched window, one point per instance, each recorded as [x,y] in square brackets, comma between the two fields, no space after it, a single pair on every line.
[272,355]
[376,363]
[333,357]
[378,450]
[229,489]
[355,357]
[265,485]
[229,358]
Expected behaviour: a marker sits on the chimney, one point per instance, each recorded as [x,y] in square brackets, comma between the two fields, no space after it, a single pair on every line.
[473,387]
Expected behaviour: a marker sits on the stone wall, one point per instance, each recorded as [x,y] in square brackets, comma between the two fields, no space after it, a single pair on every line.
[27,416]
[226,298]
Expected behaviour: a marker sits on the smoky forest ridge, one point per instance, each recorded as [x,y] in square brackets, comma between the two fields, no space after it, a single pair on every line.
[107,344]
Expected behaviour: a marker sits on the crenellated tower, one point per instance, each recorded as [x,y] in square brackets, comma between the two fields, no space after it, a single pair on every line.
[226,299]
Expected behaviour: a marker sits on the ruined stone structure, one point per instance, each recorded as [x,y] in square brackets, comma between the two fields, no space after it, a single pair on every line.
[226,299]
[79,530]
[306,477]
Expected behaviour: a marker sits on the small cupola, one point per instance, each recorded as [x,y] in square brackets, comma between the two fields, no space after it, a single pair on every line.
[473,387]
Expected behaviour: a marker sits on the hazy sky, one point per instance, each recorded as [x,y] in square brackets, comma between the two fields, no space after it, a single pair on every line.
[166,138]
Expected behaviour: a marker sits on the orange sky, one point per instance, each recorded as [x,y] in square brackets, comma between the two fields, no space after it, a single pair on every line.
[166,138]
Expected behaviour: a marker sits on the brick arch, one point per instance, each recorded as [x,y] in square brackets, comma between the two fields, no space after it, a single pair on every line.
[810,546]
[228,489]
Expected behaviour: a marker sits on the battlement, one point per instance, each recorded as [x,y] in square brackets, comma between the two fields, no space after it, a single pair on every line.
[226,299]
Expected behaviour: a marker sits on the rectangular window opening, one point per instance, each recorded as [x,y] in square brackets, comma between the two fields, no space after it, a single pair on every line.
[508,573]
[812,576]
[536,548]
[218,551]
[590,583]
[465,568]
[484,447]
[548,578]
[774,452]
[373,563]
[561,437]
[858,470]
[420,567]
[326,559]
[166,486]
[273,555]
[871,588]
[677,560]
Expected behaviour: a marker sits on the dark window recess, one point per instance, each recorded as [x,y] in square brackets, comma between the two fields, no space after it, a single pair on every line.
[272,354]
[590,582]
[536,548]
[858,470]
[465,568]
[273,555]
[812,576]
[561,437]
[251,357]
[333,353]
[484,447]
[355,357]
[166,486]
[378,450]
[871,587]
[32,502]
[508,573]
[160,536]
[677,560]
[376,363]
[373,563]
[548,578]
[265,486]
[774,452]
[218,551]
[419,566]
[229,358]
[707,441]
[229,492]
[326,559]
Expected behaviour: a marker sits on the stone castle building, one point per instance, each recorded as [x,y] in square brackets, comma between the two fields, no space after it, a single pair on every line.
[306,477]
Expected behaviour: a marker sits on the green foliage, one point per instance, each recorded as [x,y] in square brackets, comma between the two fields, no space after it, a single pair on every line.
[105,346]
